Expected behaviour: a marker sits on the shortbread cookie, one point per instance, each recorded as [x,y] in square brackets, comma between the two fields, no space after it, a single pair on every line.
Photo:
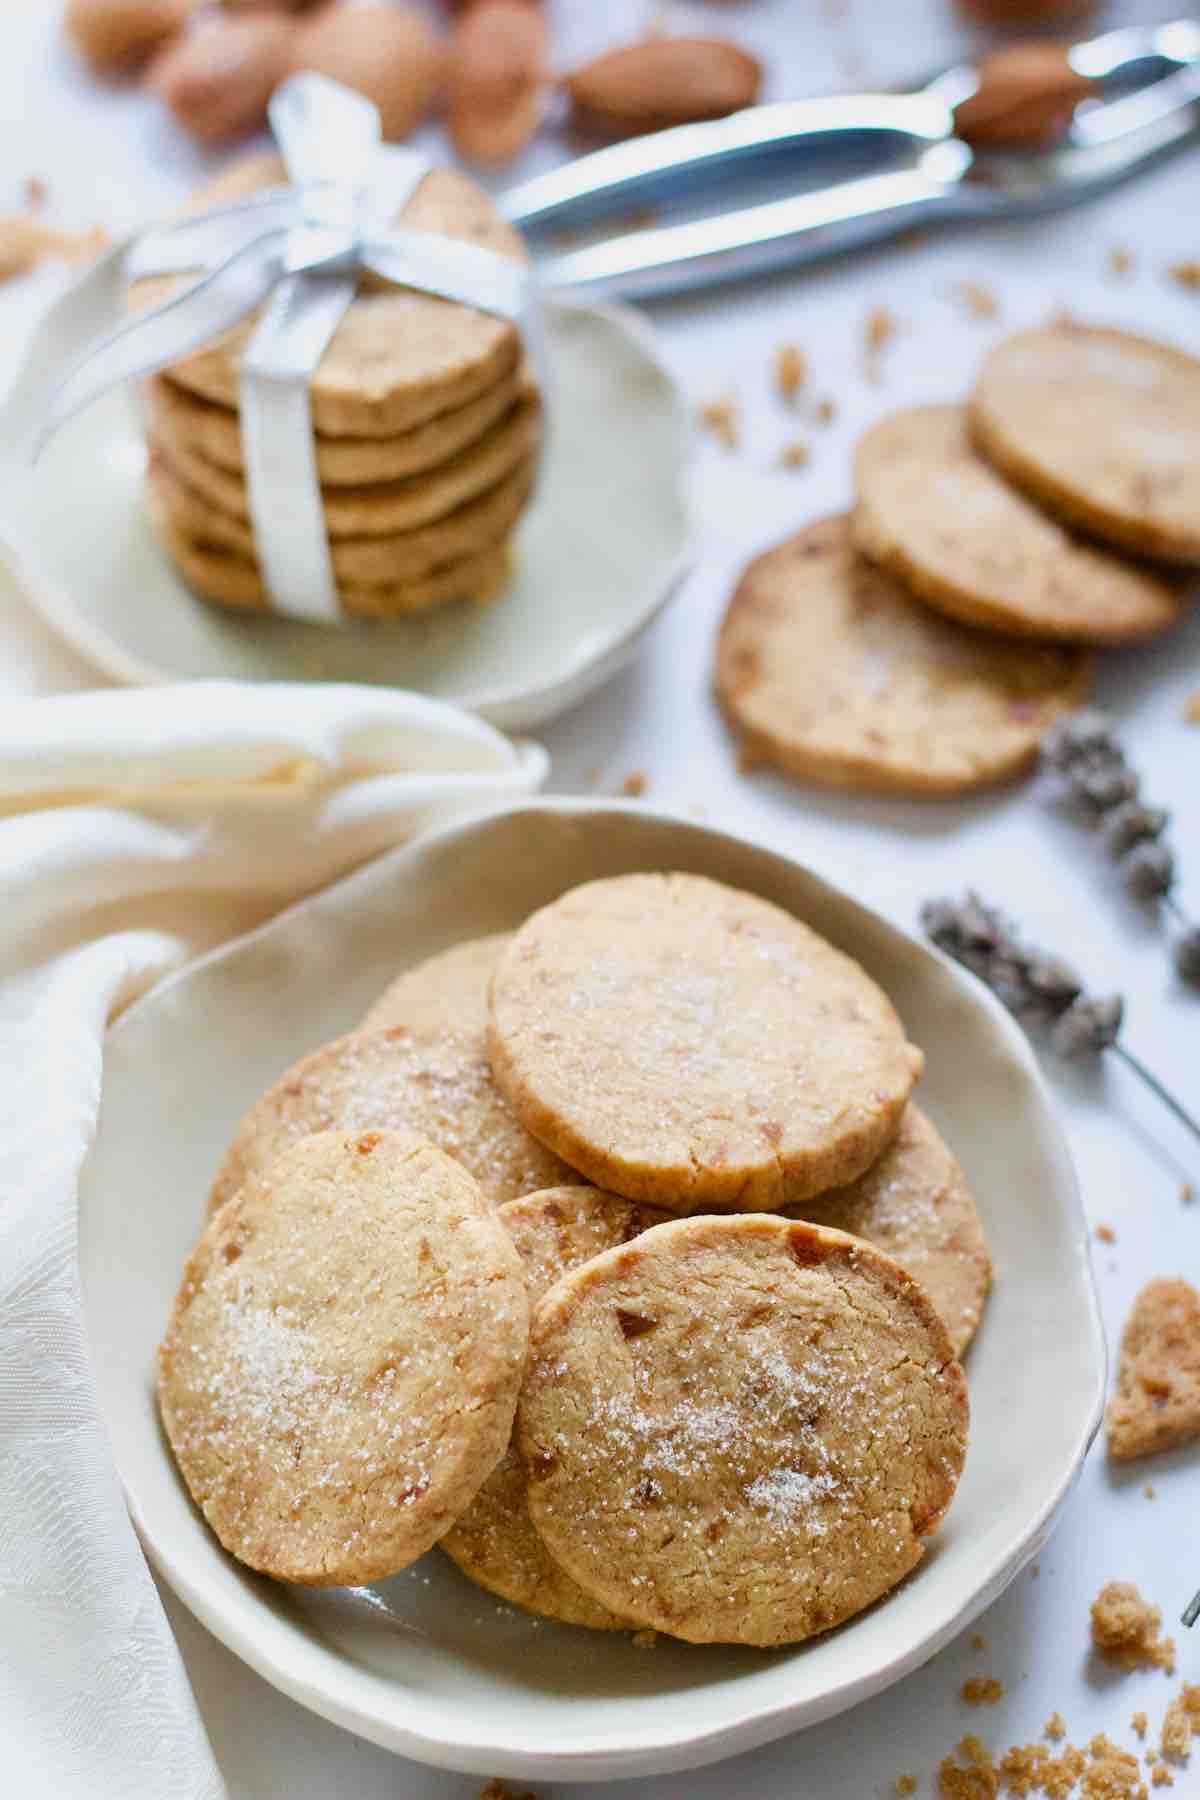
[935,514]
[449,989]
[1102,426]
[342,1362]
[739,1430]
[399,357]
[386,508]
[494,1542]
[1156,1405]
[828,670]
[693,1046]
[437,1083]
[481,525]
[914,1204]
[215,433]
[231,580]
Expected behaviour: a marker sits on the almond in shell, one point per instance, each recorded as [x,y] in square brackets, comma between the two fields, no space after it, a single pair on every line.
[661,81]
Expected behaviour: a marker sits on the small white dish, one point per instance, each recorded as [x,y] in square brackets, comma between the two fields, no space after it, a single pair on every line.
[427,1664]
[598,555]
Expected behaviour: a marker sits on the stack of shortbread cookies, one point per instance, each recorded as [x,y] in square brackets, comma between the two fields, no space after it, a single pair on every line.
[716,1394]
[427,431]
[924,643]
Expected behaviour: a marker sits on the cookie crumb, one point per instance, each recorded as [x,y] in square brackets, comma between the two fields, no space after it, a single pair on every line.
[37,191]
[1161,1776]
[982,1690]
[635,784]
[1180,1723]
[1125,1629]
[1112,1774]
[791,371]
[825,413]
[979,301]
[879,330]
[644,1640]
[1187,1192]
[1106,1234]
[979,1642]
[795,455]
[1120,260]
[1149,1492]
[723,419]
[905,1784]
[1156,1404]
[1055,1727]
[973,1777]
[496,1790]
[1186,274]
[1139,1723]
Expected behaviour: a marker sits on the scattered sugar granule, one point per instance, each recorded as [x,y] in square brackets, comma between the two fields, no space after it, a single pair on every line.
[825,413]
[973,1777]
[979,302]
[635,783]
[1125,1629]
[723,419]
[644,1640]
[1120,260]
[982,1690]
[795,455]
[878,332]
[1106,1234]
[1055,1727]
[1186,274]
[1139,1723]
[905,1784]
[791,371]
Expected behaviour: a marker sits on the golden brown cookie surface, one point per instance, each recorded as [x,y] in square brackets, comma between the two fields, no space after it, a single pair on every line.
[829,671]
[739,1430]
[693,1046]
[914,1204]
[341,1366]
[931,511]
[1104,427]
[448,989]
[1156,1405]
[494,1541]
[435,1082]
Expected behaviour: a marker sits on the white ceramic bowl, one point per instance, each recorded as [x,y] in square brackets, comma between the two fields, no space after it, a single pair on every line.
[427,1664]
[598,555]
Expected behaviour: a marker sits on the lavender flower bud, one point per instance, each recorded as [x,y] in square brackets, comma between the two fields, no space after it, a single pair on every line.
[1187,954]
[1131,824]
[1101,786]
[1078,735]
[1088,1027]
[1054,984]
[1149,870]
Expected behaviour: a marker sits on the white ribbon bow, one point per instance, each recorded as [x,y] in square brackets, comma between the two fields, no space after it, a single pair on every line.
[301,249]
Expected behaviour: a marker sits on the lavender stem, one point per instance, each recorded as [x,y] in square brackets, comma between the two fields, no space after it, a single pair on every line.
[1155,1085]
[1191,1611]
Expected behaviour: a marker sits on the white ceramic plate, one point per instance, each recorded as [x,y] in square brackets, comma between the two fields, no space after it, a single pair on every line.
[598,555]
[426,1663]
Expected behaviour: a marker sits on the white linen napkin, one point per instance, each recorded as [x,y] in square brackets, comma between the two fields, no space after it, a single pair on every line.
[136,830]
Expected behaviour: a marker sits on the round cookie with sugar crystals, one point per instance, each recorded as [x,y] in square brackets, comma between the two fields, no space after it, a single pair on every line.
[684,1043]
[739,1430]
[494,1541]
[433,1081]
[914,1204]
[448,989]
[1101,426]
[341,1365]
[828,670]
[931,511]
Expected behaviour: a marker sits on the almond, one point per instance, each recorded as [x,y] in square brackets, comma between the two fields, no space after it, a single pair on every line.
[119,34]
[1028,12]
[217,80]
[389,53]
[497,79]
[1026,96]
[661,81]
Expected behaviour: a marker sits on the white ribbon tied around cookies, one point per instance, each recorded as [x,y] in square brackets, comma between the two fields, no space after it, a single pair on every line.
[297,252]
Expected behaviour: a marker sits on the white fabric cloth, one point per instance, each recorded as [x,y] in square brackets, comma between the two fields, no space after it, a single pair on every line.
[136,830]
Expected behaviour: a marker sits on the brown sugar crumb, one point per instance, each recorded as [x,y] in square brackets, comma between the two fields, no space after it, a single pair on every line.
[496,1790]
[644,1640]
[1156,1404]
[974,1776]
[724,420]
[791,371]
[1187,1192]
[825,412]
[25,241]
[878,332]
[1149,1492]
[635,783]
[1059,1774]
[1120,260]
[979,1642]
[1181,1723]
[1125,1629]
[1106,1234]
[1112,1774]
[795,455]
[905,1784]
[979,302]
[1186,274]
[1055,1727]
[982,1690]
[1139,1723]
[1161,1776]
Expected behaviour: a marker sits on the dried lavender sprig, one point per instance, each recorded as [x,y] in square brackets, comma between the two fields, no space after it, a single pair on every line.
[1038,987]
[1191,1611]
[1095,776]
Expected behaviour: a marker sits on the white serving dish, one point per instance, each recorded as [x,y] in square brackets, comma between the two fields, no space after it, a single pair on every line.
[427,1664]
[600,552]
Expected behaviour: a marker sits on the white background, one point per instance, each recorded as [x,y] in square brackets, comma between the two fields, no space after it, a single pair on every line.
[111,157]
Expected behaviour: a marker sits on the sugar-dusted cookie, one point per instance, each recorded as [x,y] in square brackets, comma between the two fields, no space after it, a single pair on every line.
[494,1541]
[341,1366]
[398,357]
[827,669]
[1156,1405]
[1102,426]
[384,509]
[215,433]
[481,525]
[914,1204]
[693,1046]
[448,989]
[935,514]
[739,1430]
[228,579]
[435,1082]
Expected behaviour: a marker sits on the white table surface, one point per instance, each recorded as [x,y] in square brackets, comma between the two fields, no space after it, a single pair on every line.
[110,156]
